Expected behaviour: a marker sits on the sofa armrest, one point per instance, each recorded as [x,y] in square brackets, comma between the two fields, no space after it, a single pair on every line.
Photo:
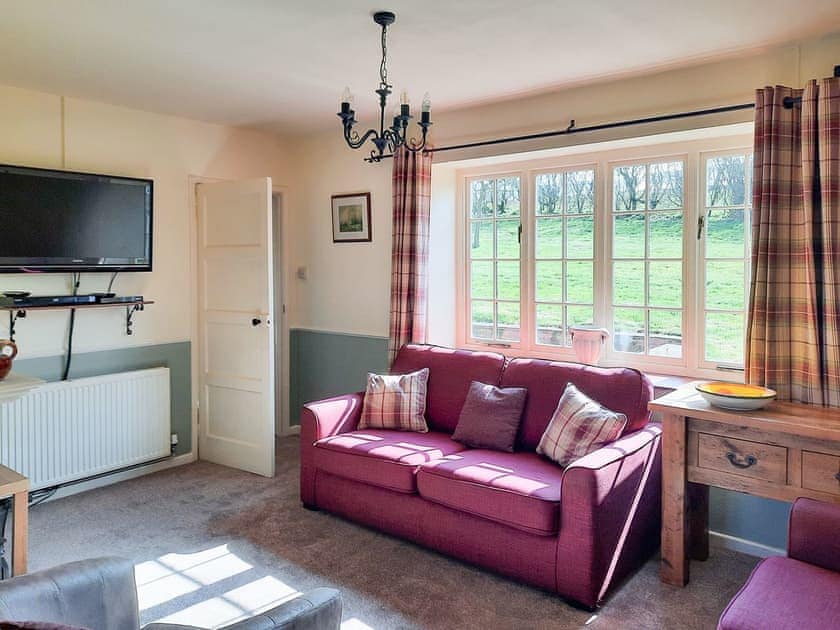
[610,514]
[318,420]
[319,609]
[331,416]
[813,533]
[596,472]
[97,593]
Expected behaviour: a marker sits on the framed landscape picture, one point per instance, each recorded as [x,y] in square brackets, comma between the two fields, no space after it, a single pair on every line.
[351,218]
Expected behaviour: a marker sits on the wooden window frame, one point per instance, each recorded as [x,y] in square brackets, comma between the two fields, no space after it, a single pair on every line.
[692,153]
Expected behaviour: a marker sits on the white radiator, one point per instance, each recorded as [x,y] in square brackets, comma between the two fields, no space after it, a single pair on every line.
[73,429]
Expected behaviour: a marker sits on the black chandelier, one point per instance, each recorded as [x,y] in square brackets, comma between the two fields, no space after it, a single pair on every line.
[395,136]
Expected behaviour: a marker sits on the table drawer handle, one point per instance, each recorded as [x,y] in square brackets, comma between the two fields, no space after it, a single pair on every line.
[837,476]
[733,459]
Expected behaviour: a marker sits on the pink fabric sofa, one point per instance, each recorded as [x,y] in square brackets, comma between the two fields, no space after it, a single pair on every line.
[575,531]
[802,590]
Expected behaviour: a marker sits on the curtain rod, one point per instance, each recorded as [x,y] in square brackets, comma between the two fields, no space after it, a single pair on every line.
[573,129]
[788,103]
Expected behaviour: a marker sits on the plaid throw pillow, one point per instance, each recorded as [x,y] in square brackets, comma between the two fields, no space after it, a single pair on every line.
[578,427]
[396,402]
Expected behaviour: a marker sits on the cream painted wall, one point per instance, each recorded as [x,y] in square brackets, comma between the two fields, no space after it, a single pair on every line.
[442,226]
[348,287]
[104,138]
[347,284]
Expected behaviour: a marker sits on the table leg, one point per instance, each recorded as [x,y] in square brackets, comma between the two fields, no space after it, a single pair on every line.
[20,527]
[674,566]
[698,507]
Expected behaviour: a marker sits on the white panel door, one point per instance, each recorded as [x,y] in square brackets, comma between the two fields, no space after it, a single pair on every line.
[236,353]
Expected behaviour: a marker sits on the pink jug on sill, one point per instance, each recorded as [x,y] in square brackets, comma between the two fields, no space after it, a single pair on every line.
[587,342]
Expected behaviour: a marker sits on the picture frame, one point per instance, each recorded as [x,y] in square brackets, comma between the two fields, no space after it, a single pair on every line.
[351,218]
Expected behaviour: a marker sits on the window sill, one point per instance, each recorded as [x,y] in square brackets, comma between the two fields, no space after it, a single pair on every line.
[666,383]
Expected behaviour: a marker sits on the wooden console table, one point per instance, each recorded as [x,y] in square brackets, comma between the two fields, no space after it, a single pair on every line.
[783,451]
[17,486]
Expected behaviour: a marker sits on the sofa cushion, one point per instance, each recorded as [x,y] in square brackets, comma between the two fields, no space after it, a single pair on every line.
[578,427]
[623,390]
[395,402]
[784,594]
[450,374]
[521,490]
[490,417]
[388,459]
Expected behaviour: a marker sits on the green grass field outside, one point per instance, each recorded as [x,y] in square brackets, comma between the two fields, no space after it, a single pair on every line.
[724,290]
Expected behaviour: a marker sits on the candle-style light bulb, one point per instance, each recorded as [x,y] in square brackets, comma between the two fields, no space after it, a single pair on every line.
[346,100]
[427,103]
[404,104]
[426,108]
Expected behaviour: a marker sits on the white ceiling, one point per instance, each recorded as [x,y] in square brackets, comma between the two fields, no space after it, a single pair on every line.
[282,64]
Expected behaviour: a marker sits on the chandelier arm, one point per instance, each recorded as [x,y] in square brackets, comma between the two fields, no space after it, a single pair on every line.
[392,139]
[358,141]
[415,147]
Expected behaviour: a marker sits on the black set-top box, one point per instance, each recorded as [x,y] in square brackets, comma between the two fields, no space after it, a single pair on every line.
[32,301]
[49,300]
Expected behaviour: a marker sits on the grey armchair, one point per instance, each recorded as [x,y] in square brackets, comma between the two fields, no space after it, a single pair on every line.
[101,594]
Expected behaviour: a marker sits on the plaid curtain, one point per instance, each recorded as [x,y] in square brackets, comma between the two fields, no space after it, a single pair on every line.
[412,179]
[792,323]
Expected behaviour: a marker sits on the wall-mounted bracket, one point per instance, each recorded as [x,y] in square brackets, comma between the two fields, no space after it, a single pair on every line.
[129,315]
[131,307]
[13,317]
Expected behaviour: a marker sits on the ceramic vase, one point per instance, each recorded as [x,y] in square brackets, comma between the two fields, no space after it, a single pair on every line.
[587,342]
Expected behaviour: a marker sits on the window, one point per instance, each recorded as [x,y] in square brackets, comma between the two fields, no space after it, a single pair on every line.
[494,276]
[564,254]
[649,242]
[725,263]
[647,252]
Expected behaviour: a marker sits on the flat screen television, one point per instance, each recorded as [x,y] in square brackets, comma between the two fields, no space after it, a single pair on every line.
[62,221]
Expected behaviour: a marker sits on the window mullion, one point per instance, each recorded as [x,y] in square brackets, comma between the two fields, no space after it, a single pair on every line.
[603,251]
[693,319]
[526,259]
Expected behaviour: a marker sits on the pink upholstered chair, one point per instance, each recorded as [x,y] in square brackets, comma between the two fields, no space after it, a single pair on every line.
[802,590]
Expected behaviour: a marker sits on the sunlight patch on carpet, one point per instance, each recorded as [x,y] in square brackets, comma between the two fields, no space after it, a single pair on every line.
[355,624]
[174,574]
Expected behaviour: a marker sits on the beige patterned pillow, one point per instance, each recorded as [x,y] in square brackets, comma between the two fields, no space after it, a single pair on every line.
[396,402]
[578,427]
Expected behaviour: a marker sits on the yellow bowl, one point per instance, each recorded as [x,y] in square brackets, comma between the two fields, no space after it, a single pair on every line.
[736,395]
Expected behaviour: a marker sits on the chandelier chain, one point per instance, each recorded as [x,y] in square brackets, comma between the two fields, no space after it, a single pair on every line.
[383,67]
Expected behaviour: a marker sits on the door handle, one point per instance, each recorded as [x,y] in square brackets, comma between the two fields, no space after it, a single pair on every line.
[256,321]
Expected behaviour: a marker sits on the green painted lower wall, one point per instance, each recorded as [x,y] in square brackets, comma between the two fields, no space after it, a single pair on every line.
[759,520]
[324,364]
[175,356]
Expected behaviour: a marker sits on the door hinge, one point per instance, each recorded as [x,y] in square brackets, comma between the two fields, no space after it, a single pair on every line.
[701,222]
[519,235]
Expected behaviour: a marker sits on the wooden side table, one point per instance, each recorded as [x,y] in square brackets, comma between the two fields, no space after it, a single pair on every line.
[784,451]
[17,486]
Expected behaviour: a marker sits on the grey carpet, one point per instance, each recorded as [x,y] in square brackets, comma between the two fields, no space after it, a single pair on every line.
[244,541]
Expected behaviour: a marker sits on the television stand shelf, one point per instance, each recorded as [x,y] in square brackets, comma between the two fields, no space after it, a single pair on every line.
[19,312]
